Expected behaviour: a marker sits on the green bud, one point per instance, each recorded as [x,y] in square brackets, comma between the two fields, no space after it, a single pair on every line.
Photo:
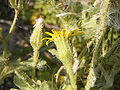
[36,37]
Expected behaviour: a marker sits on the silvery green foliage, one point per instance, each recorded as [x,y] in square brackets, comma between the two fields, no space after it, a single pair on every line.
[114,19]
[114,15]
[24,82]
[90,26]
[6,68]
[90,20]
[21,79]
[108,67]
[108,72]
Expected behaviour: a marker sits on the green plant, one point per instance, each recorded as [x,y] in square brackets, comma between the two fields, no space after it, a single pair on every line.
[89,61]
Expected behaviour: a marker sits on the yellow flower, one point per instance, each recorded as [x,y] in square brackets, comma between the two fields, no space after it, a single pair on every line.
[55,35]
[64,50]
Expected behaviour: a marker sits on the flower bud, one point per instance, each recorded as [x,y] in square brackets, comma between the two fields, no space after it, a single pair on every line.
[36,37]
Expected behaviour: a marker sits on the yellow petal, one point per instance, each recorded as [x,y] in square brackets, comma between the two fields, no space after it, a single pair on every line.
[62,33]
[56,33]
[48,42]
[67,33]
[47,38]
[49,33]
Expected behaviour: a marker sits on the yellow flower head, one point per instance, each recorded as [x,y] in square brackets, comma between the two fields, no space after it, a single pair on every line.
[55,35]
[64,51]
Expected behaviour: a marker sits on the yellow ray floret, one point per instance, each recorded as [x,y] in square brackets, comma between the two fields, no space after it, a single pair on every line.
[62,34]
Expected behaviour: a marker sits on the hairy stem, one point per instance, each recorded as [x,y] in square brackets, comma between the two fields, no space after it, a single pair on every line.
[35,61]
[91,79]
[71,76]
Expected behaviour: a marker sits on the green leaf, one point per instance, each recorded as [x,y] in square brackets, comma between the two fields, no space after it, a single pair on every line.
[53,52]
[6,68]
[90,26]
[23,81]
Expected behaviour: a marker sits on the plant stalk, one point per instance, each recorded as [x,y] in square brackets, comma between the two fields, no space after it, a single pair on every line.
[12,28]
[71,76]
[91,79]
[35,61]
[14,21]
